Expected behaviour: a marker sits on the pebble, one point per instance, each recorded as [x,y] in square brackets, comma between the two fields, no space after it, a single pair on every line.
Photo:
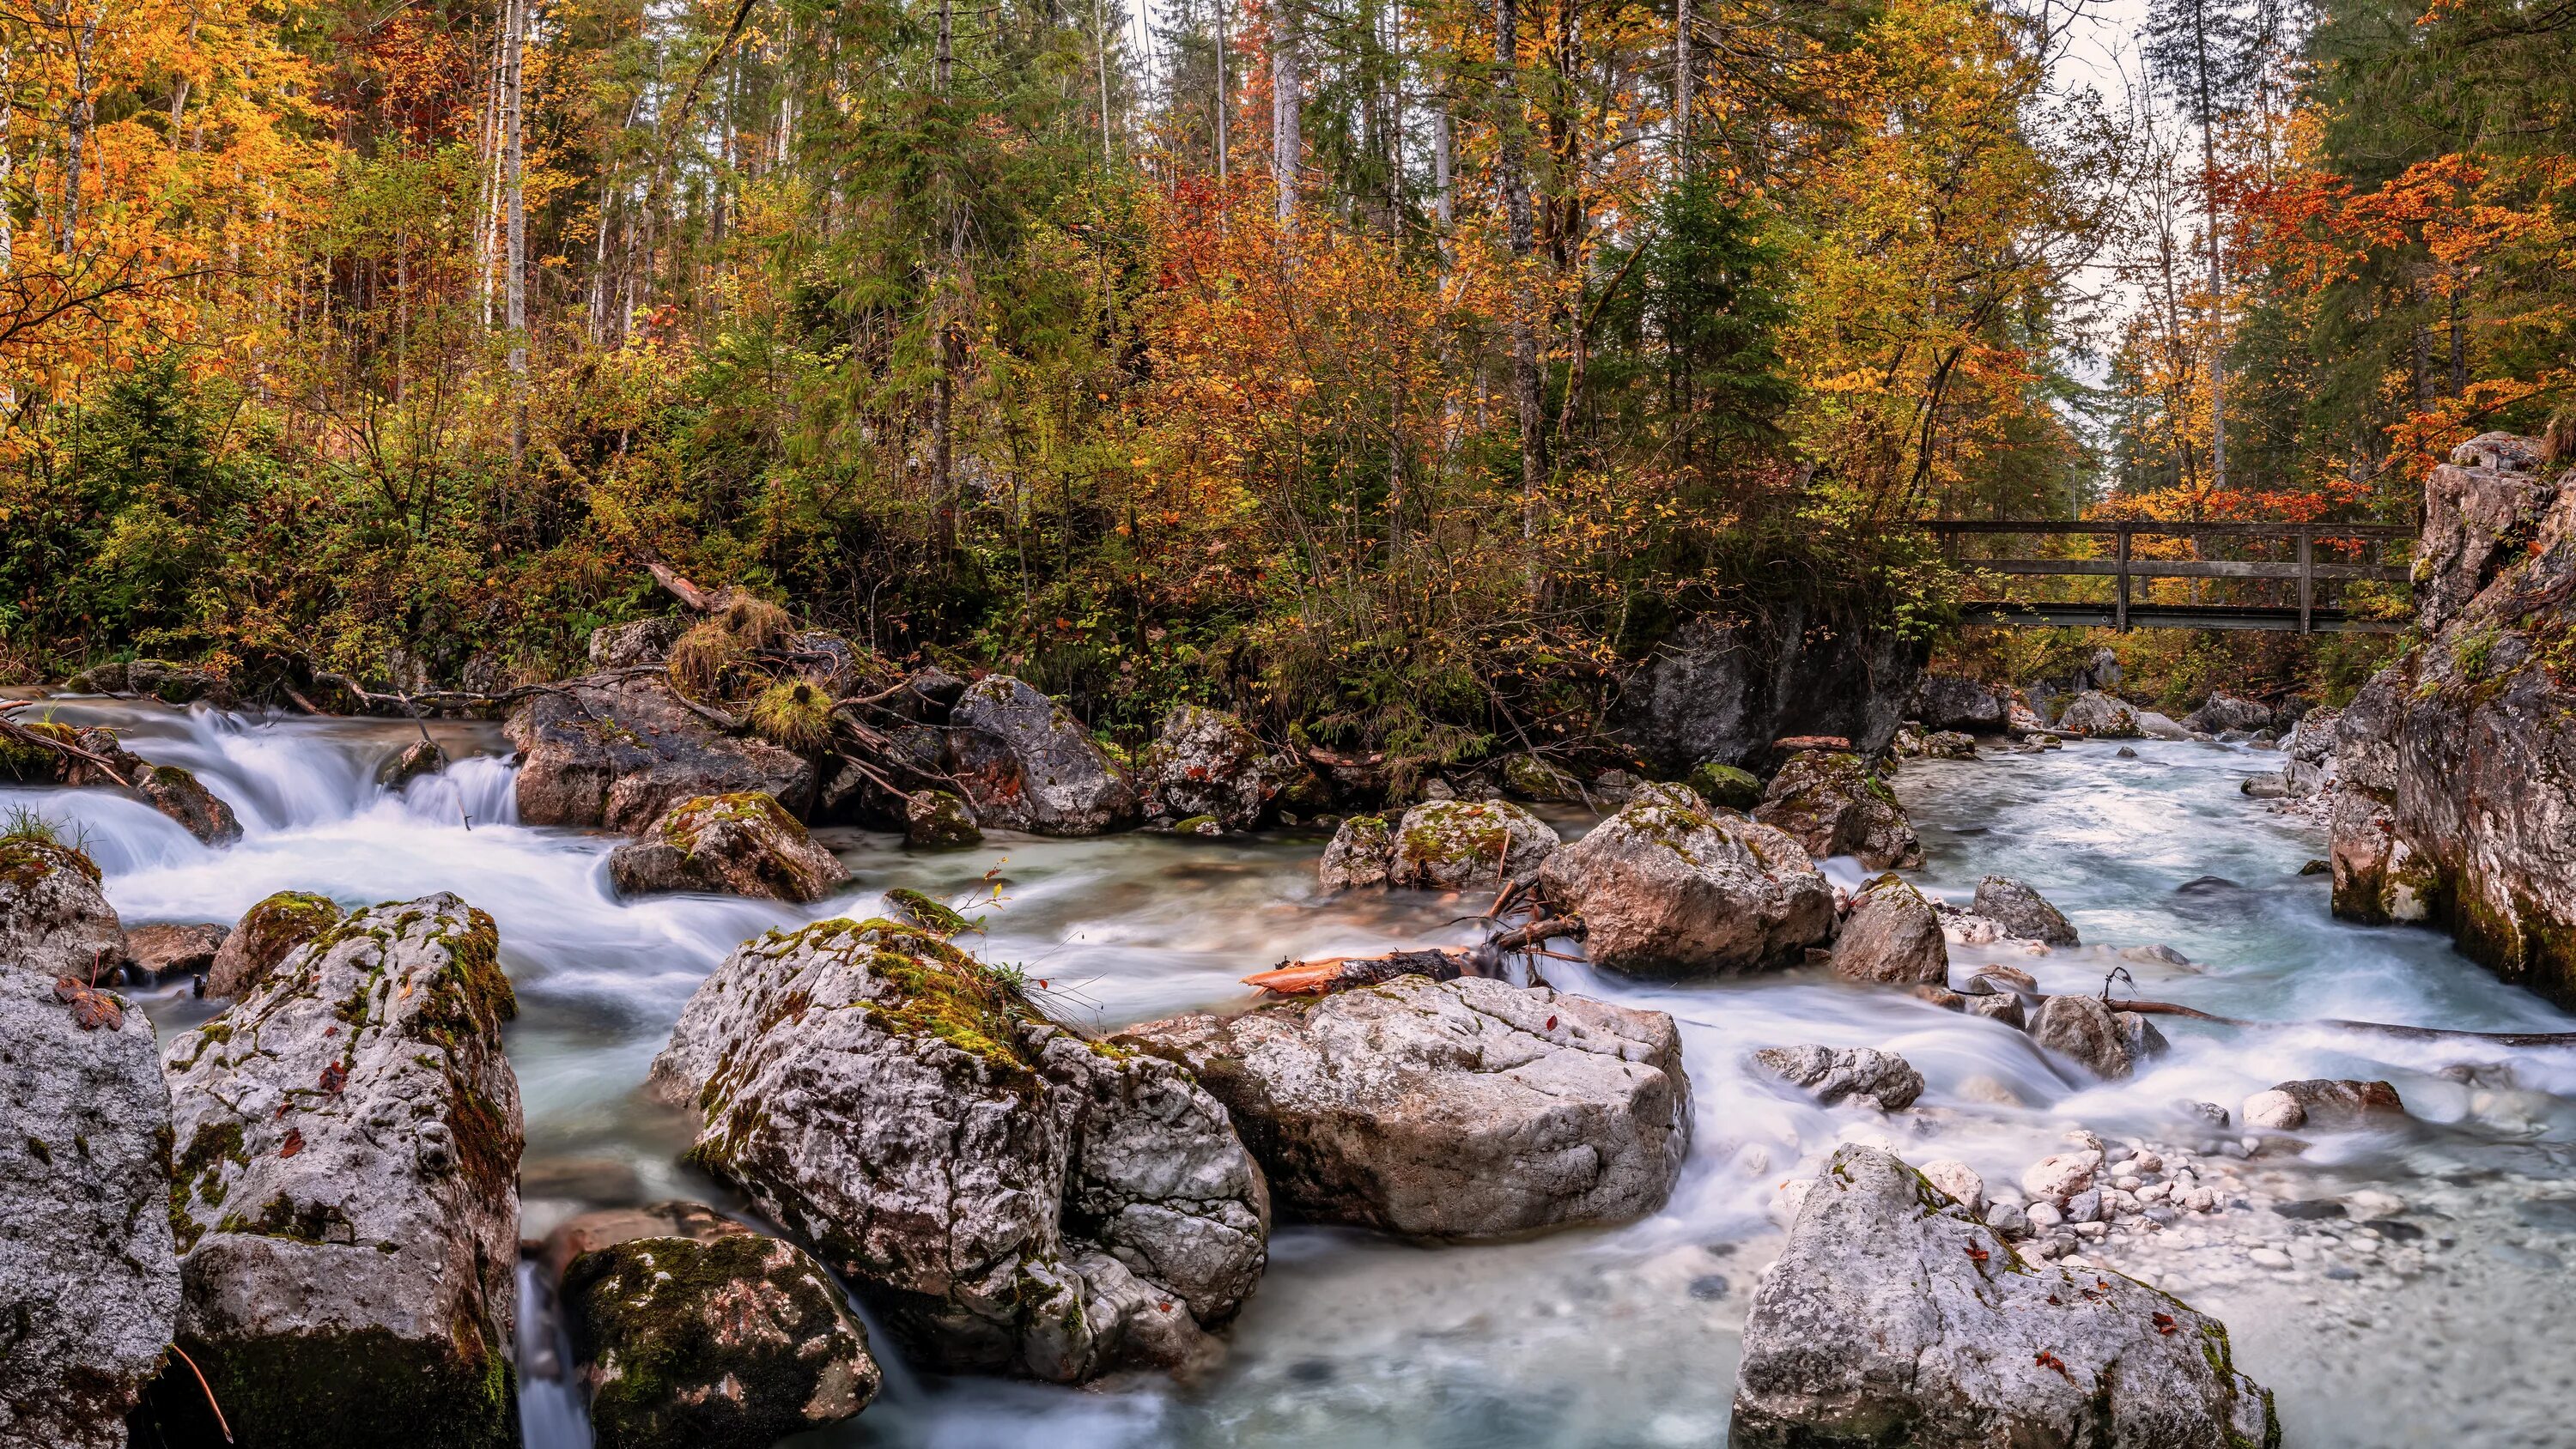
[2061,1175]
[2009,1220]
[2044,1216]
[2085,1206]
[2269,1258]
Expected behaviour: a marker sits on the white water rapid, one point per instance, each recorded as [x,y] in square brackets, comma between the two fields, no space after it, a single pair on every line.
[2445,1323]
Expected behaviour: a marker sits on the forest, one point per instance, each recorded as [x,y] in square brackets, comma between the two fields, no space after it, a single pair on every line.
[1394,374]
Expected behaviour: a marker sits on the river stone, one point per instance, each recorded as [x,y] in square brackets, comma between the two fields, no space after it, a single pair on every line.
[1361,850]
[2222,712]
[2022,912]
[1668,887]
[54,920]
[1204,762]
[1894,1317]
[626,646]
[615,753]
[106,763]
[1829,802]
[267,932]
[1725,786]
[420,757]
[1027,764]
[89,1286]
[2099,716]
[1954,702]
[1454,1109]
[1018,1198]
[1891,935]
[1466,845]
[2110,1044]
[346,1204]
[1531,778]
[719,1338]
[939,820]
[2314,1102]
[166,949]
[1960,1181]
[743,845]
[1834,1074]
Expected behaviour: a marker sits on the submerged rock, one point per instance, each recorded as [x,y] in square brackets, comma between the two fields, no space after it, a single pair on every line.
[346,1154]
[2022,912]
[89,1285]
[1894,1317]
[744,845]
[2099,716]
[267,932]
[1829,802]
[1455,1109]
[1027,764]
[1669,888]
[715,1337]
[616,753]
[1833,1075]
[1891,935]
[2110,1044]
[1203,762]
[1467,844]
[1020,1199]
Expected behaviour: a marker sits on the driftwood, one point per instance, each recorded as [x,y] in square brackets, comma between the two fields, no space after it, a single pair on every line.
[2406,1033]
[1342,973]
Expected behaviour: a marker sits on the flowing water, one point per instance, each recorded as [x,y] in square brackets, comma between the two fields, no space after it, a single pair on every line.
[1619,1337]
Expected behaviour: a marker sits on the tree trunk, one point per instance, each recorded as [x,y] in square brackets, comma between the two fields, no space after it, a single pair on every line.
[1682,88]
[1287,101]
[515,283]
[1512,163]
[1222,104]
[2209,214]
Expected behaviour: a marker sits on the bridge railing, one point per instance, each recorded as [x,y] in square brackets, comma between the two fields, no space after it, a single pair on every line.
[2350,554]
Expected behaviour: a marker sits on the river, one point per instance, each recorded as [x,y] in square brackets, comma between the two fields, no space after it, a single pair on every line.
[2450,1326]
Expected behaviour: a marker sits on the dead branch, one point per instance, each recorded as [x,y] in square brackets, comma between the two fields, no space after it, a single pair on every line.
[2407,1033]
[12,730]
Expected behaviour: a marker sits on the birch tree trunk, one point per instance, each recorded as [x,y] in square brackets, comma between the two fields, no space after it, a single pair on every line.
[1511,162]
[1287,103]
[515,283]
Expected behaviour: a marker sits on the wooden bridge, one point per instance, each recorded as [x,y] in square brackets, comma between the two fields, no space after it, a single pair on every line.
[2314,607]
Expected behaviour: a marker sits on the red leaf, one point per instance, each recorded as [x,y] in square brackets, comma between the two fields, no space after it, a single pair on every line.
[1976,1254]
[294,1142]
[335,1076]
[1551,1023]
[2164,1322]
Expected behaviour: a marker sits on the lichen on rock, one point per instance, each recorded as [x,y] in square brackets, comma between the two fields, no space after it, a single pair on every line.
[270,929]
[1668,887]
[1829,802]
[744,844]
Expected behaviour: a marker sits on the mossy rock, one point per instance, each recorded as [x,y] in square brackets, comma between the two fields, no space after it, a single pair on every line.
[267,933]
[732,1341]
[31,763]
[743,844]
[1532,778]
[25,860]
[1725,785]
[1454,844]
[939,820]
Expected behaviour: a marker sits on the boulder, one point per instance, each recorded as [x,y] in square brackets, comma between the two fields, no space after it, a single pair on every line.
[1949,745]
[1891,935]
[2222,712]
[2312,739]
[2316,1103]
[2022,912]
[1017,1198]
[1532,778]
[1669,888]
[1027,764]
[2297,780]
[89,1285]
[1838,1074]
[2457,762]
[267,932]
[1204,762]
[711,1336]
[1455,1109]
[1725,786]
[1894,1317]
[1723,687]
[2110,1044]
[1449,845]
[2021,718]
[1955,702]
[1829,802]
[743,845]
[939,820]
[1362,848]
[615,753]
[162,950]
[346,1153]
[420,757]
[2096,715]
[54,919]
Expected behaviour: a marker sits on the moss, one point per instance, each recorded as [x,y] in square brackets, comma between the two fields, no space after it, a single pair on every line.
[1198,825]
[197,1174]
[704,662]
[25,861]
[30,762]
[332,1390]
[1725,785]
[793,716]
[1448,832]
[930,915]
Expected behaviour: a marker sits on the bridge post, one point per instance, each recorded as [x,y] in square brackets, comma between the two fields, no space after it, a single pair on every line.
[2307,580]
[2120,609]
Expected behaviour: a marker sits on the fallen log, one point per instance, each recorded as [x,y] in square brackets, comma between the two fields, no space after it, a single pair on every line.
[2405,1033]
[1329,974]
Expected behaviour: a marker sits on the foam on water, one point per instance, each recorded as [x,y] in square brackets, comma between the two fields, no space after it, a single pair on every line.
[1622,1337]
